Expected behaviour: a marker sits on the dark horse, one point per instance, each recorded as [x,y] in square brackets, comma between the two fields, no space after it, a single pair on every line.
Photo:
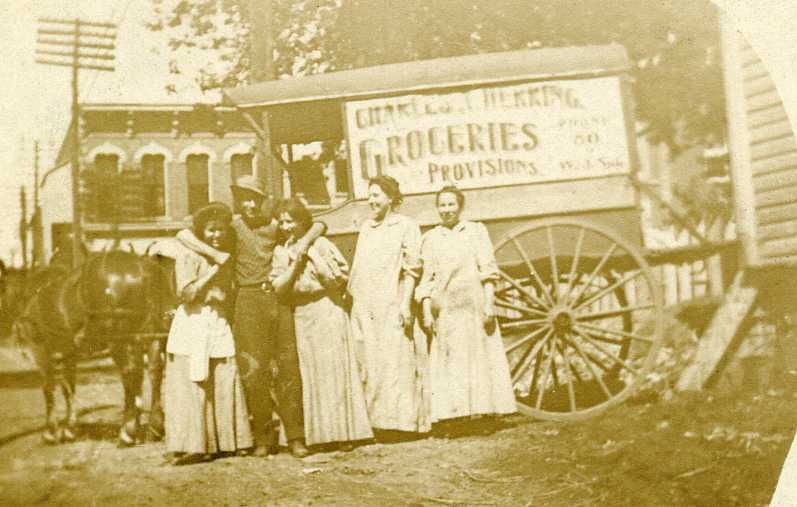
[115,301]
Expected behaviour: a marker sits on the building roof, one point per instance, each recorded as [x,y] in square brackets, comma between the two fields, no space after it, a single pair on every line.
[470,70]
[150,107]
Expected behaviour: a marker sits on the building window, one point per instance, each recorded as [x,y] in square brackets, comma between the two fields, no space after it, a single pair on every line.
[240,165]
[105,188]
[153,172]
[122,194]
[318,171]
[197,173]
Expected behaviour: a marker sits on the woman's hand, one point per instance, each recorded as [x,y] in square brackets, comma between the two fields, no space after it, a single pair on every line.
[489,307]
[406,319]
[190,291]
[489,318]
[427,319]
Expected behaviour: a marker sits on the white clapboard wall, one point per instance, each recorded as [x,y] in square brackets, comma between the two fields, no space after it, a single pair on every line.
[763,157]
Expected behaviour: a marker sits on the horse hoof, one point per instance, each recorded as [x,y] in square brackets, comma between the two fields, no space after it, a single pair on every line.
[155,429]
[125,438]
[68,435]
[155,434]
[49,437]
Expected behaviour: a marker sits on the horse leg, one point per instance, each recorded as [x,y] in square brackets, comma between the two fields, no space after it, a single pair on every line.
[132,372]
[44,362]
[68,384]
[155,371]
[50,435]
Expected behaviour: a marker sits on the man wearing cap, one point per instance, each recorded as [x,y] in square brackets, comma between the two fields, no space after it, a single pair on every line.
[262,326]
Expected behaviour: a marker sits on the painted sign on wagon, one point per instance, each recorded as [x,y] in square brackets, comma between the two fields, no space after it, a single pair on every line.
[492,136]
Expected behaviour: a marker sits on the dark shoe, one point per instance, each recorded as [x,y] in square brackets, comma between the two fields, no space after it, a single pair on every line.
[192,459]
[298,449]
[170,457]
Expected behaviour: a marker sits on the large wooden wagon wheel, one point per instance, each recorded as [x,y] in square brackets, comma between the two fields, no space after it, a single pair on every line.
[580,314]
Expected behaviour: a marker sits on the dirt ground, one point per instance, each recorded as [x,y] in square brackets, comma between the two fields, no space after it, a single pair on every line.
[703,449]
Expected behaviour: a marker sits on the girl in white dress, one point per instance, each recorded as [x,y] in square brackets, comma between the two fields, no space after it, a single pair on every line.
[205,408]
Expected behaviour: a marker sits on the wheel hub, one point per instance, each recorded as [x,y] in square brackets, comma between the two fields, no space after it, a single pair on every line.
[562,321]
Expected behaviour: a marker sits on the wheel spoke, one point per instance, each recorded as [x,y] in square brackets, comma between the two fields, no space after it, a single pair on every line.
[522,309]
[624,334]
[522,323]
[598,378]
[554,374]
[622,281]
[606,339]
[546,372]
[523,340]
[612,313]
[554,266]
[595,272]
[571,395]
[522,290]
[574,264]
[611,356]
[562,349]
[533,271]
[536,373]
[525,361]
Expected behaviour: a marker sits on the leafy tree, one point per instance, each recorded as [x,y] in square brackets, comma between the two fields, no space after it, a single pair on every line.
[211,40]
[674,44]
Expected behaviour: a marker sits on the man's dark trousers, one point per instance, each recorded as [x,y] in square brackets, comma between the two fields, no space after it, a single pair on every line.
[263,330]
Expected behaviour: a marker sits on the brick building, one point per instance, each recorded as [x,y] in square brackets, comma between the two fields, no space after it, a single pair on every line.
[145,169]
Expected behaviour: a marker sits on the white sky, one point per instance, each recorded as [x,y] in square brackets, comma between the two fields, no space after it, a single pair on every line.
[36,98]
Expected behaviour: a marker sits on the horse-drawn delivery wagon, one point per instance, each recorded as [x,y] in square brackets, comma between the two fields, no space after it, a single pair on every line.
[542,143]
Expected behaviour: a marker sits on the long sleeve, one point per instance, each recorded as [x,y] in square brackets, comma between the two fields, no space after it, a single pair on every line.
[328,262]
[356,261]
[189,240]
[485,254]
[411,250]
[280,262]
[306,282]
[186,271]
[426,285]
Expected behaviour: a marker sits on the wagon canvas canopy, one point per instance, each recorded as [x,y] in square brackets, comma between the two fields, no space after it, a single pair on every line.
[323,93]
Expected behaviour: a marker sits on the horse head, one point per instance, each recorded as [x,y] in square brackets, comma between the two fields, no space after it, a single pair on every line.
[115,287]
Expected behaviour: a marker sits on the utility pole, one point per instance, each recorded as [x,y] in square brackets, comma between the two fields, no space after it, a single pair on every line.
[36,220]
[261,42]
[87,48]
[23,225]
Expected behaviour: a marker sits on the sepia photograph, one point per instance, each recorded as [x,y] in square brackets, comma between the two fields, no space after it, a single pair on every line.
[398,252]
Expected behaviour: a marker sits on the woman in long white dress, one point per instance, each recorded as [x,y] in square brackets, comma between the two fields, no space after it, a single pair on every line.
[334,407]
[469,373]
[392,356]
[204,401]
